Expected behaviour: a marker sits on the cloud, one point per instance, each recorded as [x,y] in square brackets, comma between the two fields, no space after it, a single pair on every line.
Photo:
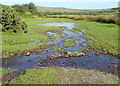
[59,1]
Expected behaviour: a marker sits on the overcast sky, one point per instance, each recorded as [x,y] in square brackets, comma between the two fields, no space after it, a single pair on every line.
[75,4]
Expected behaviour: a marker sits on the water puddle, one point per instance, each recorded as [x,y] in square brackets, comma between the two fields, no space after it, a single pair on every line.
[68,25]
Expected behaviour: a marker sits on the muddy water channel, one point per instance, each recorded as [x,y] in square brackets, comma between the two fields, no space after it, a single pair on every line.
[90,61]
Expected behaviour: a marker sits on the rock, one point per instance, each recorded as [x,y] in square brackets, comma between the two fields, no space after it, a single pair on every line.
[28,54]
[97,53]
[113,66]
[69,53]
[79,54]
[66,56]
[12,54]
[59,55]
[83,54]
[76,53]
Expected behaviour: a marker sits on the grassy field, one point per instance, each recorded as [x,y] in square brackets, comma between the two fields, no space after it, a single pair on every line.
[64,76]
[104,36]
[15,42]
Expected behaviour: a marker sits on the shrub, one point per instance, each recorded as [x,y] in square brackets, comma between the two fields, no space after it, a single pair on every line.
[11,20]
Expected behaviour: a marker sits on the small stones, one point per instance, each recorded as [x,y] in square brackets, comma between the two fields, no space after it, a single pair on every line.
[69,53]
[28,54]
[97,54]
[81,54]
[66,55]
[113,66]
[11,54]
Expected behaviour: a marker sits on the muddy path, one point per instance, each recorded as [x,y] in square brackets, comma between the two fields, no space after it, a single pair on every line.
[100,62]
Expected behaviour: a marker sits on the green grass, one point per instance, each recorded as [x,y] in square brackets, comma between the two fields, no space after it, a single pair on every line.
[64,76]
[35,76]
[60,49]
[74,32]
[15,42]
[104,36]
[69,42]
[4,71]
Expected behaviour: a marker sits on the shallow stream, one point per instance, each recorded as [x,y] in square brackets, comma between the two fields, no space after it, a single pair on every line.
[91,61]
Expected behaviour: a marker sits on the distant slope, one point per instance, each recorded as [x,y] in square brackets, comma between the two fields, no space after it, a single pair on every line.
[56,9]
[67,10]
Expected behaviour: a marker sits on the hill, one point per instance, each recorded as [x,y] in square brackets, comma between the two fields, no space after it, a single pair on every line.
[62,10]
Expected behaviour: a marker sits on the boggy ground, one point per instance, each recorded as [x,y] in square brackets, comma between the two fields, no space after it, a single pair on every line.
[64,45]
[15,43]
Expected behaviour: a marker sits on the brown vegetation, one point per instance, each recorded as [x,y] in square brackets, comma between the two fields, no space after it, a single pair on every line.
[98,18]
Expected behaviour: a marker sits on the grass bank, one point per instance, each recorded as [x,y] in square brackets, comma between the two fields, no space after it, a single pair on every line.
[64,76]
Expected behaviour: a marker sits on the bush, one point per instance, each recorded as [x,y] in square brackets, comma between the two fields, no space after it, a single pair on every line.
[11,20]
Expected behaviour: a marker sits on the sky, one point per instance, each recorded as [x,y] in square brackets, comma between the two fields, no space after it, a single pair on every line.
[74,4]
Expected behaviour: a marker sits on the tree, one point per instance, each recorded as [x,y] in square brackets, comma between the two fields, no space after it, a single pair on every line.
[26,8]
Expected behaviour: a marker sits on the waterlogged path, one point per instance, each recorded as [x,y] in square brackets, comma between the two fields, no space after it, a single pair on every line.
[91,61]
